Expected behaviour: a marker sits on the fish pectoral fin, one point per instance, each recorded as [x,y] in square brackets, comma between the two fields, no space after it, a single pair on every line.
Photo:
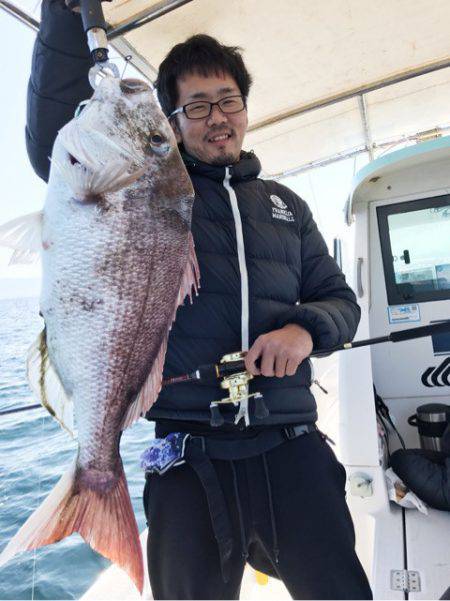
[114,176]
[24,236]
[190,282]
[87,182]
[47,386]
[98,508]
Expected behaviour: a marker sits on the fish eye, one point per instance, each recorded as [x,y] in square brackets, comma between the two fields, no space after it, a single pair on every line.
[156,139]
[157,143]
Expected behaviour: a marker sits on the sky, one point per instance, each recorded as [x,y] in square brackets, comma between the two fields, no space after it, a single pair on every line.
[324,189]
[22,191]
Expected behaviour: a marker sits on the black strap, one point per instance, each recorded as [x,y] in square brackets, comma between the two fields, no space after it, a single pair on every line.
[220,519]
[243,448]
[198,453]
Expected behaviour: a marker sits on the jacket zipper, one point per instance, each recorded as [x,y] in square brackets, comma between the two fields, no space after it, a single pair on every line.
[241,259]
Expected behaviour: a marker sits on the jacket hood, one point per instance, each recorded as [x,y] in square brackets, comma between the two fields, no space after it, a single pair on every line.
[247,168]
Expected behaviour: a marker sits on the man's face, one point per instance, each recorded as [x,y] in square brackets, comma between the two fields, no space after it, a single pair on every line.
[217,139]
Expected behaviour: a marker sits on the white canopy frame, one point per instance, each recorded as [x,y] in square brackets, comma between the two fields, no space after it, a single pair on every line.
[332,79]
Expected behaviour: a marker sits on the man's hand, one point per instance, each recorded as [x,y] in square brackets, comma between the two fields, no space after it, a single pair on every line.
[281,351]
[74,5]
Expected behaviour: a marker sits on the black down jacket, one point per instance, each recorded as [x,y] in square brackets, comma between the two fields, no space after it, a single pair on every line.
[263,263]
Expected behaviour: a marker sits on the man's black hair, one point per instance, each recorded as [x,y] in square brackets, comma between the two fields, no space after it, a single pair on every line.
[203,55]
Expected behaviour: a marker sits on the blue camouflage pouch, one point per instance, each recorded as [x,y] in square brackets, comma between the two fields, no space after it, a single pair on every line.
[164,453]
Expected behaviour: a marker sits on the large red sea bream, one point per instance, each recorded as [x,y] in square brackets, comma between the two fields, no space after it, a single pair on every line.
[118,259]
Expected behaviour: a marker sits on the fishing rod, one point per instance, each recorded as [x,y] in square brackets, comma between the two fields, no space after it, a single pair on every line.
[235,378]
[230,364]
[233,365]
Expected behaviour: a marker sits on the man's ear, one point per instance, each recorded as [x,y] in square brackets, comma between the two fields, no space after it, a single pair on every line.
[176,130]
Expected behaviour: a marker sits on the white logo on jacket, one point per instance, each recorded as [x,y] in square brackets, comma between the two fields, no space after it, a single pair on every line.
[280,210]
[278,202]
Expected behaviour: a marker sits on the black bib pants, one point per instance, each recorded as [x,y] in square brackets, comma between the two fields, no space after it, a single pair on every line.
[288,516]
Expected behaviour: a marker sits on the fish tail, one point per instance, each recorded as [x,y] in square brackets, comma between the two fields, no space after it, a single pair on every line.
[99,510]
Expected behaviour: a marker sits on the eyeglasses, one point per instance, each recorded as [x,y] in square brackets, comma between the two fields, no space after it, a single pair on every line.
[200,109]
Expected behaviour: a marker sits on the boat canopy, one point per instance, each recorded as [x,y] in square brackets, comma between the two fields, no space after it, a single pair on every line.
[331,79]
[368,182]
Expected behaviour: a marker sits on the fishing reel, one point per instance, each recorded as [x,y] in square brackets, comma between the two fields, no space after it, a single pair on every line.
[235,379]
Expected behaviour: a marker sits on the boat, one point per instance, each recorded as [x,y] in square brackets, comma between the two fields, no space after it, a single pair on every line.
[399,200]
[336,81]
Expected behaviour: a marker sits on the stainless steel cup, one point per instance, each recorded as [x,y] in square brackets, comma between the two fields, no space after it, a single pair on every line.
[431,420]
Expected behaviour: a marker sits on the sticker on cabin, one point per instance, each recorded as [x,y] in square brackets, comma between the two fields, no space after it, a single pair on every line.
[437,376]
[280,210]
[403,313]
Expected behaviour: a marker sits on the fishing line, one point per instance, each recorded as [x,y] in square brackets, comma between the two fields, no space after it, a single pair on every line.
[36,6]
[33,581]
[127,60]
[392,146]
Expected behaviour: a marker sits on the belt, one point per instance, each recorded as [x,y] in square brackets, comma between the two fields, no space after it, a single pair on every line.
[232,450]
[198,453]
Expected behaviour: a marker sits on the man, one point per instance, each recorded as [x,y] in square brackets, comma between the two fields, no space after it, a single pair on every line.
[263,489]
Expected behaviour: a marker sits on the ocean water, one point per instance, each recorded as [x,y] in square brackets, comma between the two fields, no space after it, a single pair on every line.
[34,453]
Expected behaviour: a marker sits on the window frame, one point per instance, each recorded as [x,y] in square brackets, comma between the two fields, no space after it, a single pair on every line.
[383,212]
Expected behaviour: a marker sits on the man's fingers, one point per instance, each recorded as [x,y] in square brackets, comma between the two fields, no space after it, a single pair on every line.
[250,366]
[280,352]
[267,363]
[251,357]
[74,6]
[291,367]
[281,362]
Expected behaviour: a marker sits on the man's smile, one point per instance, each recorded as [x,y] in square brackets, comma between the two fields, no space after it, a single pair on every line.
[219,137]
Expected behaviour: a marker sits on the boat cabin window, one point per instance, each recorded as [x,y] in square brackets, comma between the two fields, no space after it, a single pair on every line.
[415,245]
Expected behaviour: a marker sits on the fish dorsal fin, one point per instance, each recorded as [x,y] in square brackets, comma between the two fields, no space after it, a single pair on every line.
[24,236]
[47,386]
[150,390]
